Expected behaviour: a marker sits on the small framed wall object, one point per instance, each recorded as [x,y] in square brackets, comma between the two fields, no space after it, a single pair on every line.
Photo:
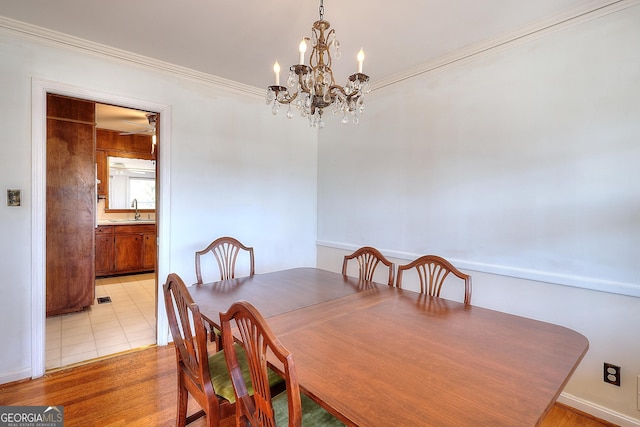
[13,197]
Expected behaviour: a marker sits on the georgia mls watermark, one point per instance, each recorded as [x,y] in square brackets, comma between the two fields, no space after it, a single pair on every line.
[31,416]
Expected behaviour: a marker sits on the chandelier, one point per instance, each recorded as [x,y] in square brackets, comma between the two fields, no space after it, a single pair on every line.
[312,88]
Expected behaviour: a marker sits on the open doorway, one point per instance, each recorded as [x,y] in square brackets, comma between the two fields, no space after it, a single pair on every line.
[122,313]
[40,89]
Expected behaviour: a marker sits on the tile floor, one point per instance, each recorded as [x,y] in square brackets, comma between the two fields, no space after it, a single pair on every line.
[127,322]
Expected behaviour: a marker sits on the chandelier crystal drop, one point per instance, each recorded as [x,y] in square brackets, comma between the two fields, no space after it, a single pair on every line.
[312,88]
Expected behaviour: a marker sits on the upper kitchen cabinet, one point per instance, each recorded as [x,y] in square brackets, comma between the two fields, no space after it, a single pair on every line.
[136,145]
[102,173]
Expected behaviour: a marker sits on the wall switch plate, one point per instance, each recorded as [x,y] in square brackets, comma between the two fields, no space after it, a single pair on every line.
[13,197]
[612,374]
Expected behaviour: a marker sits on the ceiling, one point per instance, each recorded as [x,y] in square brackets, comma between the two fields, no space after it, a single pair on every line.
[121,119]
[240,41]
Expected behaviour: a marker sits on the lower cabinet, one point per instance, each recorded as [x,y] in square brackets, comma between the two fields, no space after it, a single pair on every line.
[105,260]
[125,249]
[149,251]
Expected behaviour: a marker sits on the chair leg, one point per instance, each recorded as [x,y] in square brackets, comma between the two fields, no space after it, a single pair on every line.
[197,415]
[214,337]
[212,331]
[183,399]
[218,340]
[212,421]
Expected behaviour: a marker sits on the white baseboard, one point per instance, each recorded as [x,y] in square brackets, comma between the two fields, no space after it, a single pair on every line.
[598,411]
[15,376]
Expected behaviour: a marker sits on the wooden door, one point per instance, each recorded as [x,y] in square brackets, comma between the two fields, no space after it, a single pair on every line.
[70,217]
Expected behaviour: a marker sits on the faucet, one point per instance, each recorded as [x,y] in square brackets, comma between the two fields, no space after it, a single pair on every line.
[134,204]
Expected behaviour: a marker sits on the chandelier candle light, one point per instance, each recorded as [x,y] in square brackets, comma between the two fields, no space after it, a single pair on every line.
[313,87]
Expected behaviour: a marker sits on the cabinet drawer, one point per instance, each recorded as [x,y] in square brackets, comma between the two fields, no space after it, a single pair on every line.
[139,229]
[104,229]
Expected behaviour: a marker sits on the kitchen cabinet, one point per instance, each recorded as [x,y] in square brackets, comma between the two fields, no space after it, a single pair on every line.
[128,252]
[150,251]
[102,173]
[124,249]
[105,262]
[139,146]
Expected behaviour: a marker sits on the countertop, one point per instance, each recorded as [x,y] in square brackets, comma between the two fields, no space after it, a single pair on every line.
[126,222]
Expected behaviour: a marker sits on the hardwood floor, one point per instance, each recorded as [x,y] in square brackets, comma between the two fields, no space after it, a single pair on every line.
[565,416]
[139,389]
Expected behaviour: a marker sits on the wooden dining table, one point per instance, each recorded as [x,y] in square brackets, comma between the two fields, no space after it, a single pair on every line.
[375,355]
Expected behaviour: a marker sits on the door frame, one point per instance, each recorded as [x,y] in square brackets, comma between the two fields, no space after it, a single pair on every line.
[39,90]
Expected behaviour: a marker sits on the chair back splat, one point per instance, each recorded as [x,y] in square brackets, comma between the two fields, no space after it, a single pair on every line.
[225,249]
[432,271]
[266,409]
[368,259]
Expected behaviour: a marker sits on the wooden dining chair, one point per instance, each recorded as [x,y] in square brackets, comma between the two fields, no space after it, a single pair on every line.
[265,410]
[225,249]
[204,376]
[432,271]
[368,259]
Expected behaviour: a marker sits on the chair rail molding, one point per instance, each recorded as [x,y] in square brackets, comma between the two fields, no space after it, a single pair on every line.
[554,278]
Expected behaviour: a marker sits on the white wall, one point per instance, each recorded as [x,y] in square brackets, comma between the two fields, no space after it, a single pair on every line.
[520,161]
[234,169]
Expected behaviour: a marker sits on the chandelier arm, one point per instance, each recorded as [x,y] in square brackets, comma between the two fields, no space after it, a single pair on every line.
[301,71]
[302,84]
[304,88]
[285,99]
[338,88]
[354,95]
[281,94]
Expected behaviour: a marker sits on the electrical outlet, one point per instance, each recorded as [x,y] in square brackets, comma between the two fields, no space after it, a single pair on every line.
[612,374]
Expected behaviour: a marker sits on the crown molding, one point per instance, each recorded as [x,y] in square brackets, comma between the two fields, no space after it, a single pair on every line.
[591,10]
[56,39]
